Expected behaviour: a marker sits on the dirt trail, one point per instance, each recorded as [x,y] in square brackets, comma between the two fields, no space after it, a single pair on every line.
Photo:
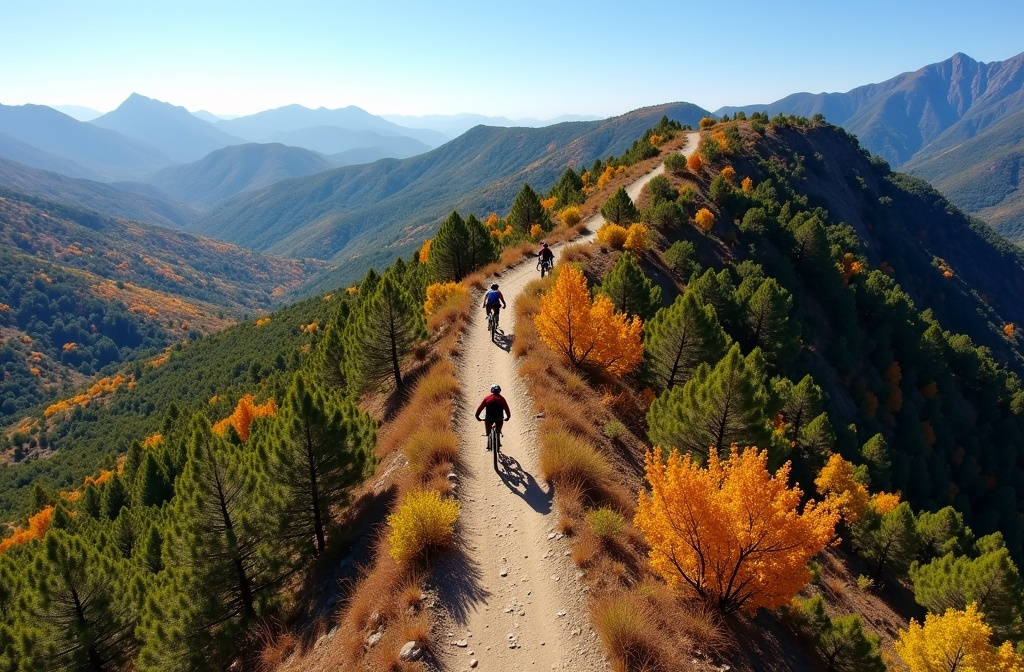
[513,597]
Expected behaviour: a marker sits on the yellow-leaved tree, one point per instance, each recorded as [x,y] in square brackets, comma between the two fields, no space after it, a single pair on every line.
[588,333]
[954,641]
[731,532]
[705,220]
[441,293]
[837,483]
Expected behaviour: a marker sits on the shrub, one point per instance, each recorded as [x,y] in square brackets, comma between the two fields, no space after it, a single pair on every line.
[705,220]
[636,238]
[675,162]
[571,216]
[568,458]
[613,429]
[612,235]
[428,447]
[423,521]
[440,294]
[606,523]
[628,632]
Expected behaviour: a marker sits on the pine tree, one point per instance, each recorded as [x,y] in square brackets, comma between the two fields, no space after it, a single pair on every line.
[132,462]
[569,188]
[890,541]
[152,487]
[329,358]
[381,332]
[321,446]
[479,244]
[449,256]
[619,208]
[876,453]
[222,556]
[991,581]
[115,497]
[768,323]
[718,290]
[678,338]
[842,642]
[527,211]
[80,597]
[630,290]
[714,409]
[806,425]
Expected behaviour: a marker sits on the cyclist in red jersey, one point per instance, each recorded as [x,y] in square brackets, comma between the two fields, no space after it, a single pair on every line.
[495,410]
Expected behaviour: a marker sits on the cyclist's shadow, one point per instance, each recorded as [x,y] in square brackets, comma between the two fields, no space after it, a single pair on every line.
[503,340]
[522,483]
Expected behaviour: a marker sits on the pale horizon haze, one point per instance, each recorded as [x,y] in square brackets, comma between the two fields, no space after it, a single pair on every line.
[516,59]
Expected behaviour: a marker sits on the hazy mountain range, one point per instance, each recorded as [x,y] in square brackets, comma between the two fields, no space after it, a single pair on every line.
[956,123]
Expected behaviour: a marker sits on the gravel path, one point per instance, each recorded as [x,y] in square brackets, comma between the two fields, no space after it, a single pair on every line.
[512,597]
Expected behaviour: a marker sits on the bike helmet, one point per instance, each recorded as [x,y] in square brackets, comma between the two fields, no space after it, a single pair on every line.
[494,286]
[495,389]
[543,244]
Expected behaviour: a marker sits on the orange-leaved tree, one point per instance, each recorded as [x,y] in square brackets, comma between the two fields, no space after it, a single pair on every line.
[705,220]
[731,532]
[956,640]
[837,483]
[588,333]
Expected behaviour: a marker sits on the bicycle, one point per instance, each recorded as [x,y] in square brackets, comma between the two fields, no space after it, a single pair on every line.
[494,443]
[545,267]
[492,323]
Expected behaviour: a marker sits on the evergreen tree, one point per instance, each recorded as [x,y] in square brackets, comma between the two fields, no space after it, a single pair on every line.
[132,462]
[680,258]
[321,446]
[718,290]
[841,641]
[569,188]
[80,597]
[811,248]
[678,338]
[806,425]
[91,502]
[449,256]
[943,532]
[115,497]
[715,408]
[991,581]
[526,211]
[619,208]
[382,331]
[152,487]
[329,358]
[876,453]
[890,541]
[768,323]
[630,290]
[222,555]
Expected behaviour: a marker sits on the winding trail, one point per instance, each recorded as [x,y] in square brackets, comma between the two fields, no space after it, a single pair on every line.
[512,597]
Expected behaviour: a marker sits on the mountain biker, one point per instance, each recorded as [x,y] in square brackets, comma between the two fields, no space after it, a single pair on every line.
[493,300]
[495,410]
[546,256]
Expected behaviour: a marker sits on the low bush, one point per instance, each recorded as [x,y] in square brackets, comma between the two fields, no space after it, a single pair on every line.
[606,523]
[613,236]
[569,458]
[423,521]
[628,632]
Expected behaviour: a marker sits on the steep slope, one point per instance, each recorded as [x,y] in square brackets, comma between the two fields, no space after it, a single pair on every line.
[272,125]
[152,257]
[107,154]
[172,130]
[112,200]
[386,209]
[943,103]
[233,170]
[982,175]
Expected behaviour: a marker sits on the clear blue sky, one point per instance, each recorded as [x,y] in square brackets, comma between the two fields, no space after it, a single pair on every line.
[515,58]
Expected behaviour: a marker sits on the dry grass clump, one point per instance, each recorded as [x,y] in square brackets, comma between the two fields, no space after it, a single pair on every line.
[275,648]
[566,457]
[629,632]
[428,448]
[575,253]
[606,523]
[450,312]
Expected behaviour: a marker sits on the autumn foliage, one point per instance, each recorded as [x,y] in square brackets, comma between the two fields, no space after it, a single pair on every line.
[245,412]
[732,532]
[613,236]
[956,640]
[34,529]
[585,332]
[842,492]
[705,220]
[636,238]
[440,293]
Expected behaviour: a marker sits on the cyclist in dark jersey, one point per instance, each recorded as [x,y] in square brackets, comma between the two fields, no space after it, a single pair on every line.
[495,410]
[546,255]
[493,300]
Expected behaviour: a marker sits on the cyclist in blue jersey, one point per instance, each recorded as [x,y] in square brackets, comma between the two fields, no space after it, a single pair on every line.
[493,301]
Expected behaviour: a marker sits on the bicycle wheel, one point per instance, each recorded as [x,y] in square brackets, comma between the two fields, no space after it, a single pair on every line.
[494,445]
[492,324]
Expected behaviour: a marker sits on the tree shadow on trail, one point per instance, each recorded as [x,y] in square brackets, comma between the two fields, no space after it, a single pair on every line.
[460,581]
[522,483]
[503,340]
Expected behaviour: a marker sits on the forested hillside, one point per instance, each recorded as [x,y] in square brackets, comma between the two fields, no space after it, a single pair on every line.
[378,212]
